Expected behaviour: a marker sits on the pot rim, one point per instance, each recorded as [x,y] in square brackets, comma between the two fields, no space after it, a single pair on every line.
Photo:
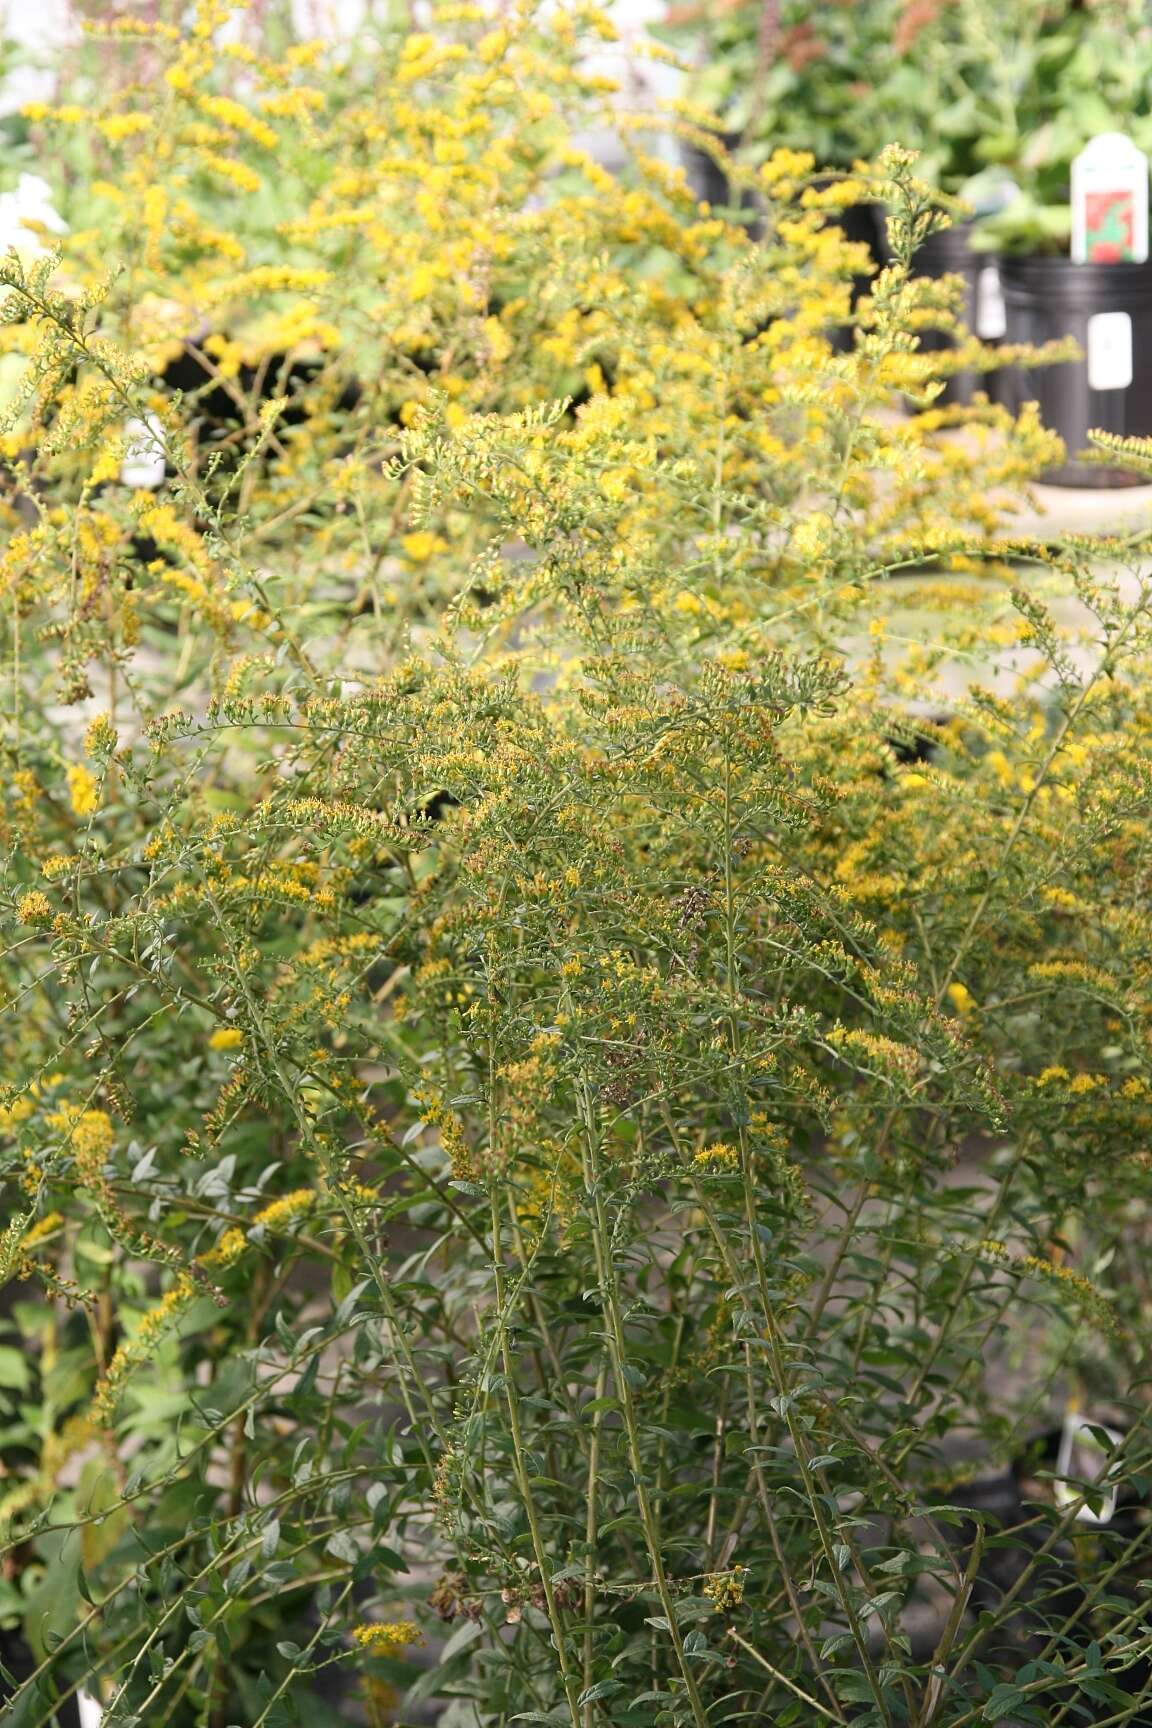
[1063,279]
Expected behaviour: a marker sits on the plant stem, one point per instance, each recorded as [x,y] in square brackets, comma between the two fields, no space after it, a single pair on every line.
[610,1306]
[783,1678]
[591,1519]
[512,1403]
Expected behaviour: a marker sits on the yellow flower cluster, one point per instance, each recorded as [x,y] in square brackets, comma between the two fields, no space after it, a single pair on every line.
[720,1155]
[1099,1308]
[725,1590]
[83,790]
[140,1347]
[288,1210]
[385,1637]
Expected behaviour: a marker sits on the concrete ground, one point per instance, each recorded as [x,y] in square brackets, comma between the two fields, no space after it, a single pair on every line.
[1085,510]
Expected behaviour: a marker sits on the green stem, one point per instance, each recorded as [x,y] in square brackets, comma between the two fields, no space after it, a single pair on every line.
[591,1518]
[614,1323]
[523,1482]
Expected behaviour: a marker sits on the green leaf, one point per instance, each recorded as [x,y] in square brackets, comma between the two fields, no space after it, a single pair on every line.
[1002,1702]
[602,1689]
[342,1547]
[14,1369]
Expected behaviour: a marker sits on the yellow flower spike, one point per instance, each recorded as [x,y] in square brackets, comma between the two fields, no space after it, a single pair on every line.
[721,1156]
[141,1346]
[386,1637]
[231,1247]
[117,127]
[226,1038]
[725,1590]
[239,119]
[34,908]
[784,164]
[100,737]
[287,1211]
[422,545]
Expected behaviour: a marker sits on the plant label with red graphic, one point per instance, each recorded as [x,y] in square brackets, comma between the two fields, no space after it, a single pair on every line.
[1110,202]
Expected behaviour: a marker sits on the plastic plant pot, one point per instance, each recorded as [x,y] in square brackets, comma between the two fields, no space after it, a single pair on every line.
[711,186]
[39,1703]
[950,253]
[1057,1574]
[1107,308]
[863,224]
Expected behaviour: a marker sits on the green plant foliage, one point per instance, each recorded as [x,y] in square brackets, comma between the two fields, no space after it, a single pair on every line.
[789,75]
[567,1083]
[995,98]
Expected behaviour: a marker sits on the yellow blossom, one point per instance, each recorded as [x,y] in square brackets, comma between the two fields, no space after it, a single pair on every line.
[100,736]
[83,790]
[89,1132]
[725,1590]
[232,1245]
[720,1155]
[117,127]
[784,164]
[422,545]
[289,1209]
[141,1346]
[385,1637]
[235,115]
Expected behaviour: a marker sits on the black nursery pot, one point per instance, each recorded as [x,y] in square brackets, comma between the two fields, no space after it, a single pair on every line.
[38,1704]
[711,185]
[864,223]
[1056,1588]
[950,253]
[1108,309]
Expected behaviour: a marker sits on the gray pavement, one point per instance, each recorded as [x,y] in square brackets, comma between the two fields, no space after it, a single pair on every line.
[1085,510]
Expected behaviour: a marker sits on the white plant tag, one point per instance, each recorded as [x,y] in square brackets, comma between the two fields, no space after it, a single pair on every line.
[1082,1456]
[143,464]
[991,317]
[1109,351]
[1110,202]
[91,1713]
[32,202]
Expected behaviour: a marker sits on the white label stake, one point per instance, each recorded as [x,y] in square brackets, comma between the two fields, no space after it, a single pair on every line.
[1110,351]
[143,464]
[991,317]
[1082,1457]
[91,1713]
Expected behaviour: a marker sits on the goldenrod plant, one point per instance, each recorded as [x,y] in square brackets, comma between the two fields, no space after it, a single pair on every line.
[575,984]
